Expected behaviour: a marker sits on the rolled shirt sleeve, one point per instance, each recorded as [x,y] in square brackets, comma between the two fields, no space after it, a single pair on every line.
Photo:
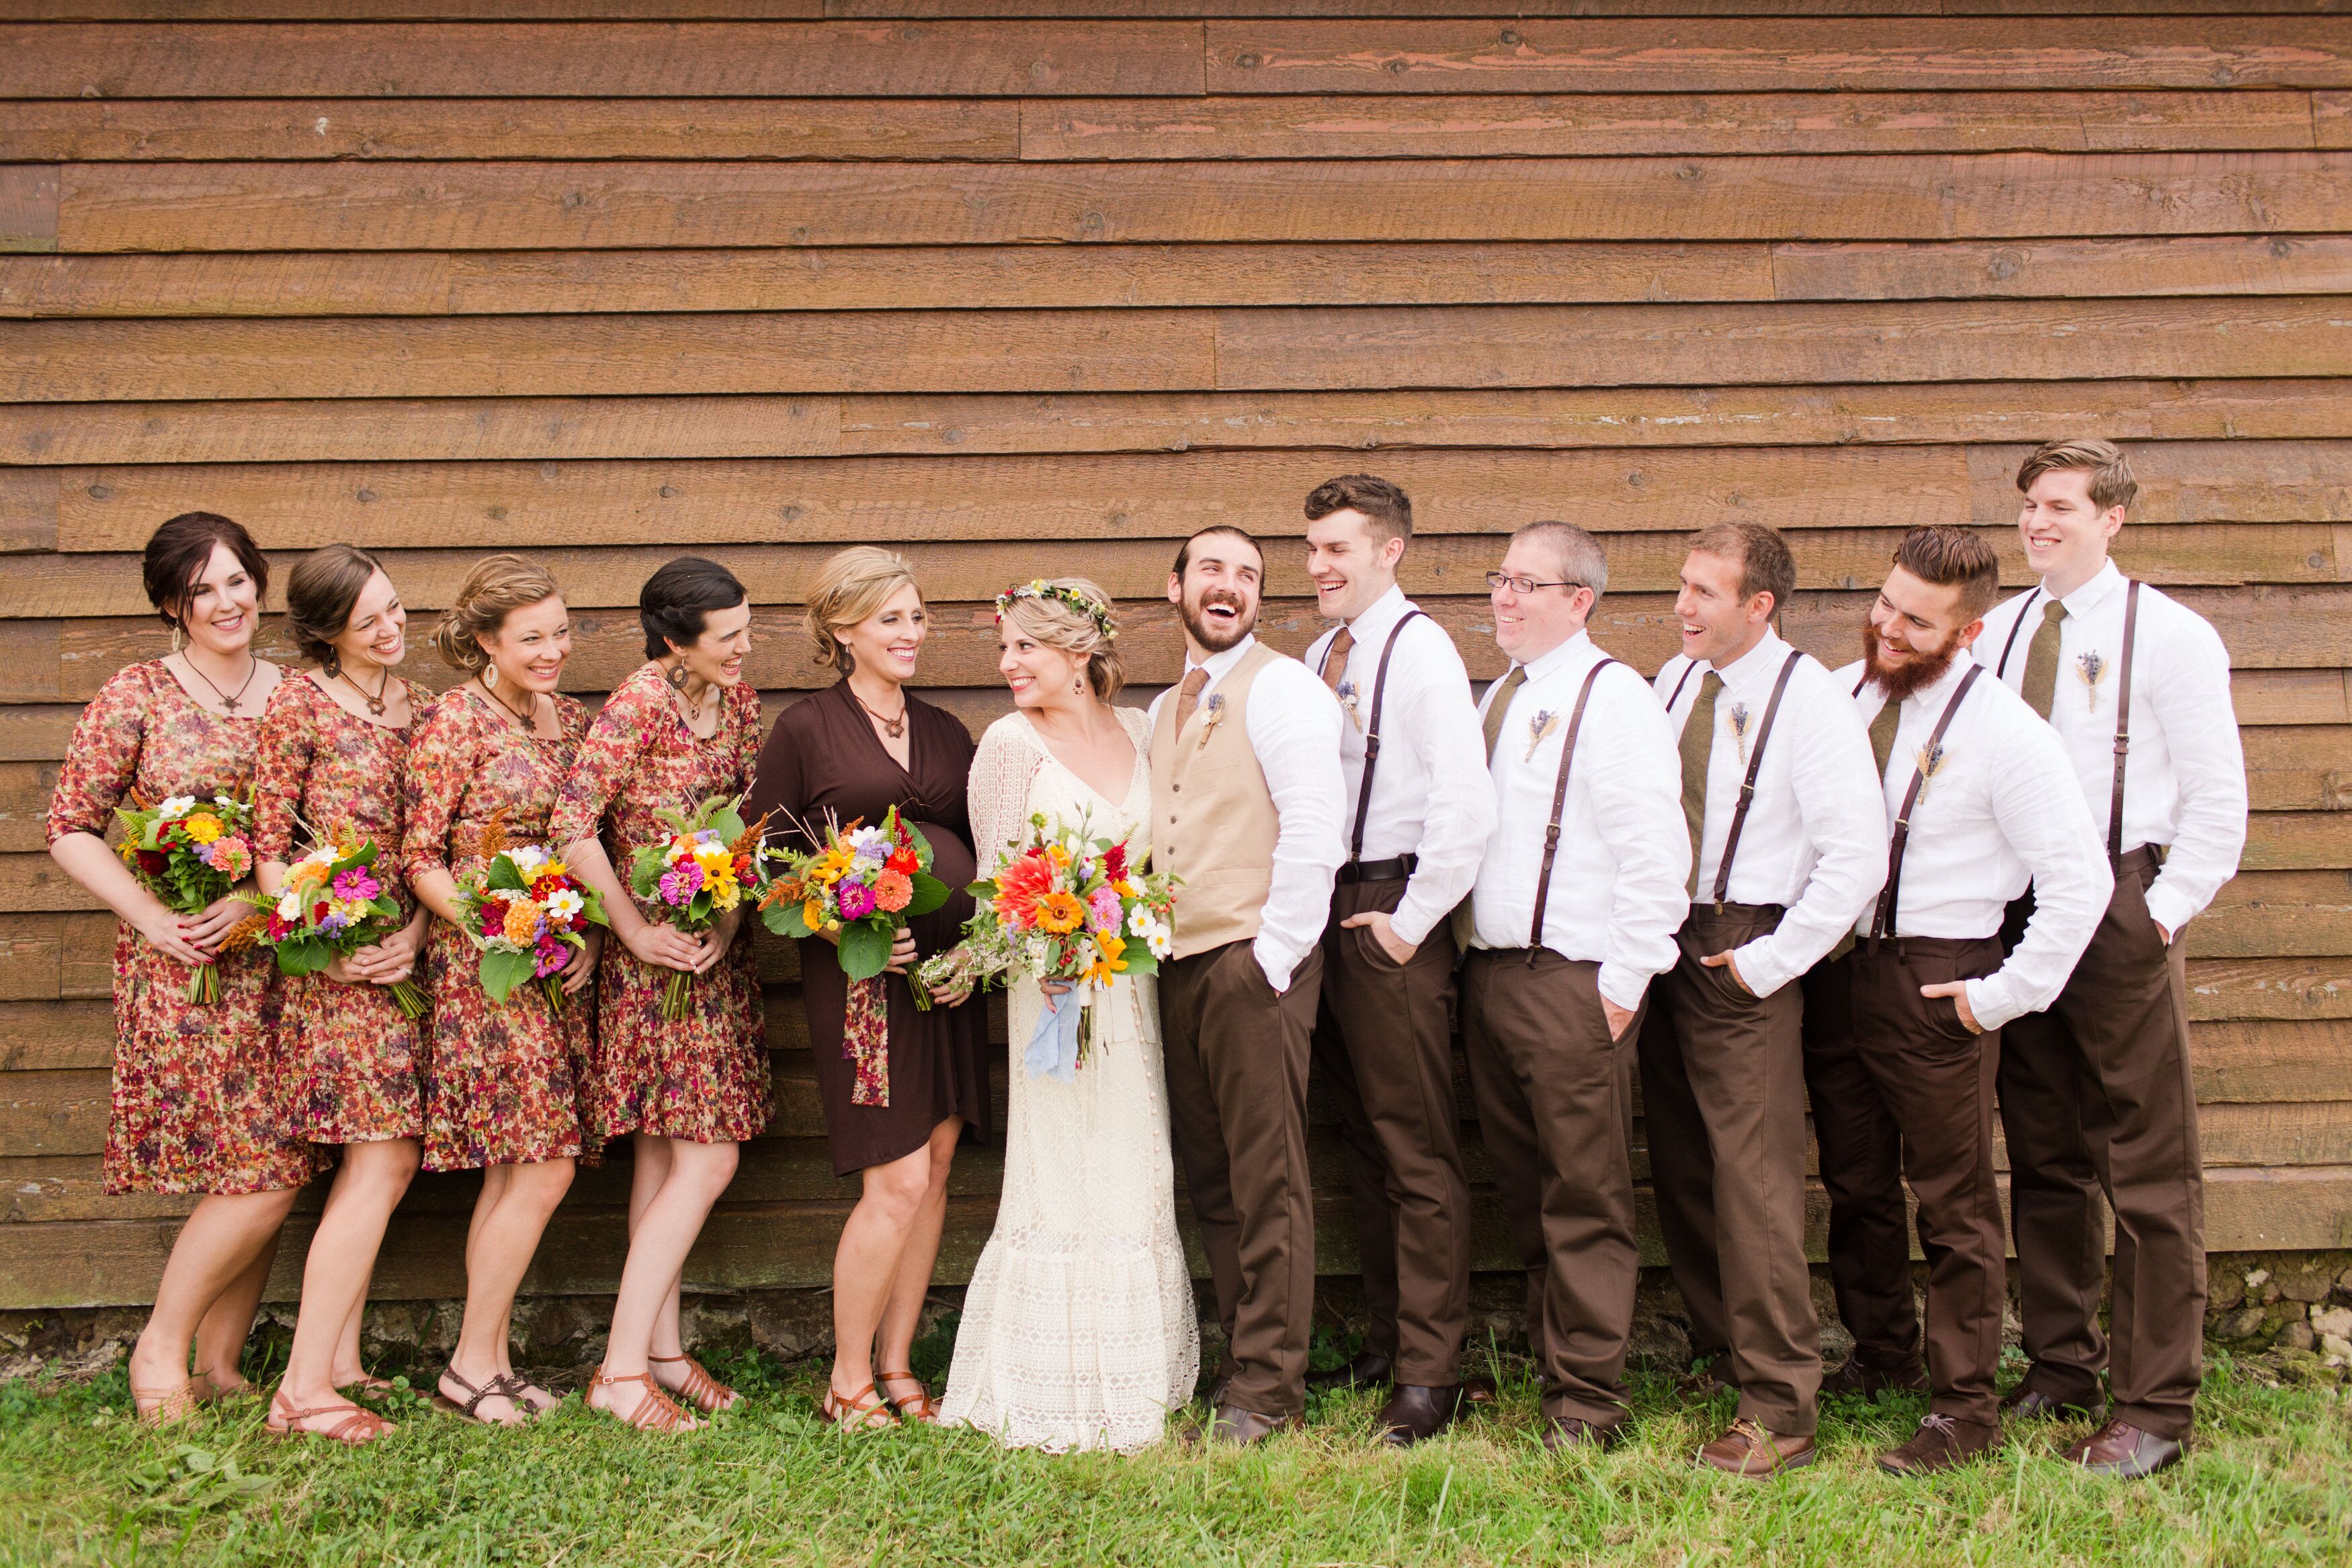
[1634,778]
[2072,883]
[1838,800]
[1294,730]
[2209,770]
[1460,814]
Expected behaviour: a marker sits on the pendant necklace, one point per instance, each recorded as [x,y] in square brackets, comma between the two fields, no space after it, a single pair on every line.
[375,704]
[228,703]
[530,721]
[896,728]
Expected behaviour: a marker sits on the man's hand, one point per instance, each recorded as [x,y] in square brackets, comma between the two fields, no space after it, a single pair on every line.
[2160,931]
[1724,960]
[1619,1017]
[1400,952]
[1959,991]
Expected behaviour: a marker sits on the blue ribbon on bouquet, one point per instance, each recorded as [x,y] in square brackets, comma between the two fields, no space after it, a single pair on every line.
[1054,1046]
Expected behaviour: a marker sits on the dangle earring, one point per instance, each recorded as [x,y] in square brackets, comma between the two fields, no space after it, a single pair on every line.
[490,677]
[333,667]
[676,675]
[175,636]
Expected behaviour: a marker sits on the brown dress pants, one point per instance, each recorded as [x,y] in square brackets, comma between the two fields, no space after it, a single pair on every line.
[1907,1073]
[1555,1099]
[2096,1096]
[1723,1096]
[1236,1056]
[1384,1042]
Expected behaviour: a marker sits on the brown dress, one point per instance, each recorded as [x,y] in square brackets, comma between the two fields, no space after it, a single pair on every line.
[503,1085]
[195,1106]
[348,1055]
[703,1077]
[824,757]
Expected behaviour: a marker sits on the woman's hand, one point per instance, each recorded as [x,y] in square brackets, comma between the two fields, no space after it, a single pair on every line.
[902,952]
[663,946]
[169,934]
[713,944]
[208,929]
[583,967]
[1055,991]
[351,969]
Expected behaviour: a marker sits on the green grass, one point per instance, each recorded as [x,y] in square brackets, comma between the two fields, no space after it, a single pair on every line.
[2269,1482]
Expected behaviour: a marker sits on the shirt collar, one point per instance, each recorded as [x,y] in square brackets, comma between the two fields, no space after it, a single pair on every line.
[2107,580]
[1940,691]
[1375,622]
[1762,659]
[1219,664]
[1576,652]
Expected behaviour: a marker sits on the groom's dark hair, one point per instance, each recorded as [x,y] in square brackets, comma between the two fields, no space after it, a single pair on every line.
[1184,551]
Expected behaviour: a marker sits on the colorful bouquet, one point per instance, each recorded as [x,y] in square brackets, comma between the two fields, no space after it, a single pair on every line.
[528,915]
[333,904]
[1071,906]
[863,886]
[697,877]
[190,855]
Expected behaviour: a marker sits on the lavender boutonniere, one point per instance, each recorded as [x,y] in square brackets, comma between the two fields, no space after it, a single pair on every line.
[1348,701]
[2091,666]
[1739,730]
[1544,722]
[1931,760]
[1213,714]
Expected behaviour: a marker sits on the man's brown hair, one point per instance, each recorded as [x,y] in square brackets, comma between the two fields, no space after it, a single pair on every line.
[2111,483]
[1184,551]
[1953,557]
[1765,564]
[1383,504]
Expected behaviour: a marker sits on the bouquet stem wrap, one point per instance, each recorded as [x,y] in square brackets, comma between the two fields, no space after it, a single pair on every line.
[866,1041]
[1064,1038]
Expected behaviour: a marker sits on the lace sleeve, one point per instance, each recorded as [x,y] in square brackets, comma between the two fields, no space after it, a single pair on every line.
[1002,770]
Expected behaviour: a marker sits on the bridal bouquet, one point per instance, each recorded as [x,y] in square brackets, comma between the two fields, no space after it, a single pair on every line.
[528,915]
[696,878]
[1068,906]
[189,855]
[863,887]
[331,904]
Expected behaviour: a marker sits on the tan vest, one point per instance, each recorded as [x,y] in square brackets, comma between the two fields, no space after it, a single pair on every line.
[1212,819]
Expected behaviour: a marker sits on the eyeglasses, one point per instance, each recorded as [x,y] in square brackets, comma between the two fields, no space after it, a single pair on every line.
[1495,580]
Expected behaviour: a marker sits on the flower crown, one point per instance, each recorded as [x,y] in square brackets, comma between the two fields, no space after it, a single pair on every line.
[1038,588]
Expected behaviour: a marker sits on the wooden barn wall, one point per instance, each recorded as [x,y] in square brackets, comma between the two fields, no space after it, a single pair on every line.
[1030,285]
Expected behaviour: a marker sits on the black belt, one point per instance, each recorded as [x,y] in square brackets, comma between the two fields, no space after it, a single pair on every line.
[1396,868]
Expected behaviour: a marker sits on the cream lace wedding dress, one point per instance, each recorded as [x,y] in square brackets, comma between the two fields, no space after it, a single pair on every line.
[1079,1328]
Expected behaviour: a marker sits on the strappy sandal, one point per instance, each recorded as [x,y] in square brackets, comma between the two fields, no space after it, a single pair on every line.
[701,1390]
[858,1413]
[917,1406]
[495,1388]
[358,1426]
[656,1411]
[367,1385]
[170,1404]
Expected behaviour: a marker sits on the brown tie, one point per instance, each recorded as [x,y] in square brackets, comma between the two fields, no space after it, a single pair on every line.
[1502,705]
[1334,658]
[1697,748]
[1882,734]
[2041,688]
[1188,697]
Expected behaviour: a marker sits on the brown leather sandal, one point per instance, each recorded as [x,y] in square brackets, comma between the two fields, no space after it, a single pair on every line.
[358,1426]
[656,1411]
[495,1388]
[170,1404]
[701,1390]
[858,1413]
[917,1406]
[367,1385]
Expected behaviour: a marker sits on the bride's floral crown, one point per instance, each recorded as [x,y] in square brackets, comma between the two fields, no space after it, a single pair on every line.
[1070,597]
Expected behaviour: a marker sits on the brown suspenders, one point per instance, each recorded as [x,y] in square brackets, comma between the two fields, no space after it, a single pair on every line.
[1558,801]
[2000,671]
[1747,785]
[2123,703]
[1676,695]
[1881,924]
[1372,730]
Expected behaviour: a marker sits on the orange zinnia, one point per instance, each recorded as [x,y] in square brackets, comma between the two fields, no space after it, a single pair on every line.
[1060,912]
[1019,888]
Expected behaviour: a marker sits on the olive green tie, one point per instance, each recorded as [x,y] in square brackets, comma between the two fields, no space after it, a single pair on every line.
[2041,688]
[1882,734]
[1501,705]
[1697,746]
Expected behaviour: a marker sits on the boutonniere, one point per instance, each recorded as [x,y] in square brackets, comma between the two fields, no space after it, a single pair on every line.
[1931,760]
[1544,722]
[1739,730]
[1348,701]
[1213,714]
[2091,665]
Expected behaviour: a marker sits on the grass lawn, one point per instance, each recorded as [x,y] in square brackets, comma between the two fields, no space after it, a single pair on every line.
[2269,1482]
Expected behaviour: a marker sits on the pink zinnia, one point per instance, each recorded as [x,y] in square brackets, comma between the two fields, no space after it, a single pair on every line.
[856,899]
[228,856]
[551,956]
[681,883]
[356,884]
[1106,908]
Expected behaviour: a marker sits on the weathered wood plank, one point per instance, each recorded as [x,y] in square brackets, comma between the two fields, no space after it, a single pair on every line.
[2300,769]
[2264,914]
[2251,481]
[254,206]
[2299,840]
[164,130]
[1573,124]
[2292,696]
[24,790]
[28,207]
[2331,119]
[1799,53]
[46,956]
[612,59]
[2238,265]
[2269,988]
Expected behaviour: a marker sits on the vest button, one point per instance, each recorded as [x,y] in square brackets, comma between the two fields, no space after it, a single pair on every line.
[1175,788]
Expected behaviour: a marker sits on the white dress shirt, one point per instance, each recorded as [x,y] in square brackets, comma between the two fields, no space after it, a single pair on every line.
[1429,797]
[1815,838]
[2185,779]
[1617,895]
[2002,812]
[1294,730]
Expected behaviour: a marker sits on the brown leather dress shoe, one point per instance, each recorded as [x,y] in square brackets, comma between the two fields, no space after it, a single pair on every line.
[1859,1378]
[2033,1404]
[1237,1427]
[1940,1443]
[1415,1414]
[1366,1369]
[1563,1432]
[2125,1451]
[1747,1449]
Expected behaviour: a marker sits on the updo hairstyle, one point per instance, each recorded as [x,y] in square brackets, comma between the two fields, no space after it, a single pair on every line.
[1056,623]
[497,587]
[851,585]
[675,604]
[319,593]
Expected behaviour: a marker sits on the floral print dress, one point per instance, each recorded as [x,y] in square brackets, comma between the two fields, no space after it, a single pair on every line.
[348,1055]
[504,1085]
[703,1077]
[196,1104]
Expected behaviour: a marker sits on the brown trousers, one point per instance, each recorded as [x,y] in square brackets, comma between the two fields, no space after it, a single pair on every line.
[1556,1105]
[2096,1096]
[1905,1073]
[1723,1097]
[1384,1042]
[1236,1057]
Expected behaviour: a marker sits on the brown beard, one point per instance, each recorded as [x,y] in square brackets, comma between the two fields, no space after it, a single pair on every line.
[1216,639]
[1914,675]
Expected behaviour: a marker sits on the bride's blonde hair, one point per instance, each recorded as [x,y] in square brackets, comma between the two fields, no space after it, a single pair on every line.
[1087,635]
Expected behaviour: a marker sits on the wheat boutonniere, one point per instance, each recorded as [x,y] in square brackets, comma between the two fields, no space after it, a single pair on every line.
[2091,666]
[1931,760]
[1544,722]
[1348,701]
[1739,730]
[1213,714]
